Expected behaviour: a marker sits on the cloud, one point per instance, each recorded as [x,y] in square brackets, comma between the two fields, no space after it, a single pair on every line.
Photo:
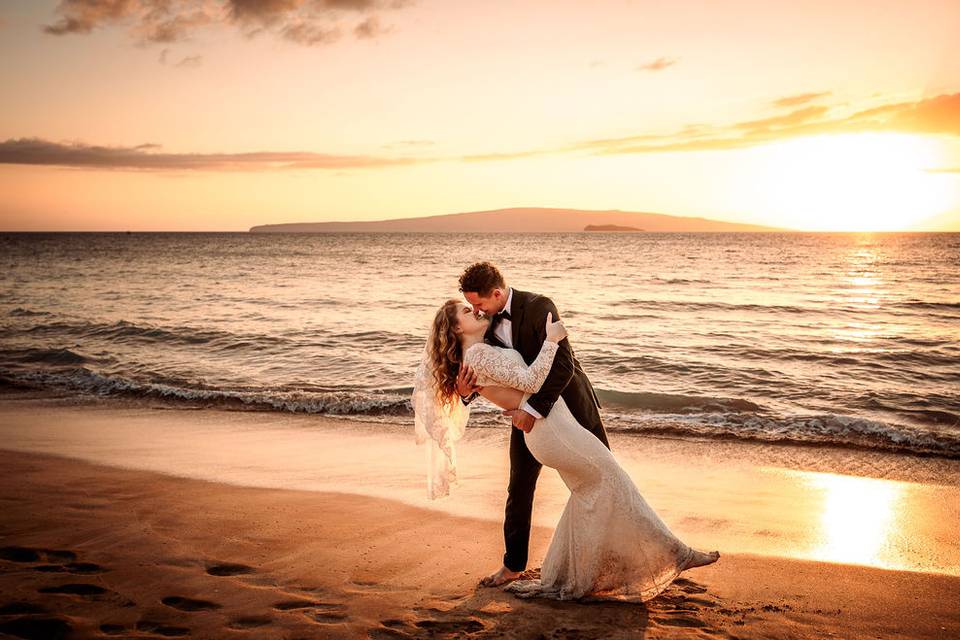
[306,22]
[657,65]
[309,33]
[798,99]
[81,16]
[937,115]
[794,117]
[186,62]
[190,62]
[39,152]
[370,28]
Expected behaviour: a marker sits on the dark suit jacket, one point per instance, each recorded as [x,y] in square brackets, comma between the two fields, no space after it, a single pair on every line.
[567,379]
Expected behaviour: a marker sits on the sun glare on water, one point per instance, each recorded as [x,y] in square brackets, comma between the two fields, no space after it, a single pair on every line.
[855,182]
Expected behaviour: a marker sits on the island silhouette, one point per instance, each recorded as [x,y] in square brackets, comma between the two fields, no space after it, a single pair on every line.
[523,220]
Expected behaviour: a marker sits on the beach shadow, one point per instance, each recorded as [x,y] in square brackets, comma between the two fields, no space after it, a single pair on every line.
[495,613]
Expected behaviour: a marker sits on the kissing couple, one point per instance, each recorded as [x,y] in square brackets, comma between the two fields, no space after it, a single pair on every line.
[511,347]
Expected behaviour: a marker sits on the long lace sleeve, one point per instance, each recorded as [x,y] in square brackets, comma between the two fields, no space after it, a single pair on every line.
[439,426]
[496,365]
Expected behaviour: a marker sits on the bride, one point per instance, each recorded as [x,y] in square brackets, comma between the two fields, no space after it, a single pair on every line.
[608,542]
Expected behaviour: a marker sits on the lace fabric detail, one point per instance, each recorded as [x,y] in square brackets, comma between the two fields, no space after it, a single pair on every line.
[496,366]
[439,426]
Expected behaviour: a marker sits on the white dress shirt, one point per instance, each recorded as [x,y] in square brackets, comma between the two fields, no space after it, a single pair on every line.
[504,331]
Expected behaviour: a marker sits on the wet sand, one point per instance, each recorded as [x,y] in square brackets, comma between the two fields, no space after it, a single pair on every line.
[91,549]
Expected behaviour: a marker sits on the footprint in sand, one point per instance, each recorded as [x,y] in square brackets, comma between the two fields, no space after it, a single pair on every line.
[289,605]
[113,629]
[393,628]
[75,589]
[19,554]
[250,622]
[189,604]
[229,569]
[29,554]
[159,628]
[36,628]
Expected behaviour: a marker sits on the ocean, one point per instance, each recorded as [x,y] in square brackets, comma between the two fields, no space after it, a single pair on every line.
[848,340]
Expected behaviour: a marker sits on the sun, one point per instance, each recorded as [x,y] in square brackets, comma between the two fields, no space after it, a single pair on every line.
[849,182]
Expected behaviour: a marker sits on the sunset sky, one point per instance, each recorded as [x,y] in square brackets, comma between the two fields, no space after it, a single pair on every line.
[223,114]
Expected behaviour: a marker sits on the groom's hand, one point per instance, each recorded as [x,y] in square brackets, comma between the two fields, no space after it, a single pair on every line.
[521,419]
[467,381]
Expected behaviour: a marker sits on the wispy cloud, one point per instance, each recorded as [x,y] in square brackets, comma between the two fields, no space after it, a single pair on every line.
[36,151]
[937,115]
[657,65]
[793,118]
[306,22]
[798,99]
[185,62]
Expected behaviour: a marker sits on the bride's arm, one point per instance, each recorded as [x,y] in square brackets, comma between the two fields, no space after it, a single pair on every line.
[496,365]
[503,397]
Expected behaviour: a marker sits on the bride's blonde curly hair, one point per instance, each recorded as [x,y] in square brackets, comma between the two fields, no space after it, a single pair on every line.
[445,352]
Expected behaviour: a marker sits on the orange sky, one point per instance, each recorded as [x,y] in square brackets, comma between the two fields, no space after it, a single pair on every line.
[223,114]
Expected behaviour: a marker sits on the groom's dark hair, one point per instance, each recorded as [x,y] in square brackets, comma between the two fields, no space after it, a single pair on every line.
[481,278]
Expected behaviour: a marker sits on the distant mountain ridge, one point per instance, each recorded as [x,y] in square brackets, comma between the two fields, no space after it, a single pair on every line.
[520,220]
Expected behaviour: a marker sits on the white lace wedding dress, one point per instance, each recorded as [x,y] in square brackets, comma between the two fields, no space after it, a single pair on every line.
[609,543]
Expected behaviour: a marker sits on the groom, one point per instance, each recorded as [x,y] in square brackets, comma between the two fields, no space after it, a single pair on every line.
[517,321]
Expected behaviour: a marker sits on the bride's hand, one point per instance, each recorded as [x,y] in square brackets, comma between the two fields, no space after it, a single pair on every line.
[555,330]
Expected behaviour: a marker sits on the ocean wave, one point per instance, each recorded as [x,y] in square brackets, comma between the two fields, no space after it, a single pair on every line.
[218,340]
[693,305]
[906,307]
[123,331]
[84,381]
[43,356]
[892,358]
[680,280]
[20,312]
[635,413]
[922,304]
[821,429]
[673,403]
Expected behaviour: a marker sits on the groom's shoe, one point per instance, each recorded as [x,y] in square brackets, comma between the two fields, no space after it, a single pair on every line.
[500,577]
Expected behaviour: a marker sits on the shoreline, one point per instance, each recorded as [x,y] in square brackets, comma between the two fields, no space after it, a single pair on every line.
[637,414]
[14,393]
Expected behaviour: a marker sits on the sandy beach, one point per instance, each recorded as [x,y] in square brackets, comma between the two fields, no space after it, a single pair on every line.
[239,540]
